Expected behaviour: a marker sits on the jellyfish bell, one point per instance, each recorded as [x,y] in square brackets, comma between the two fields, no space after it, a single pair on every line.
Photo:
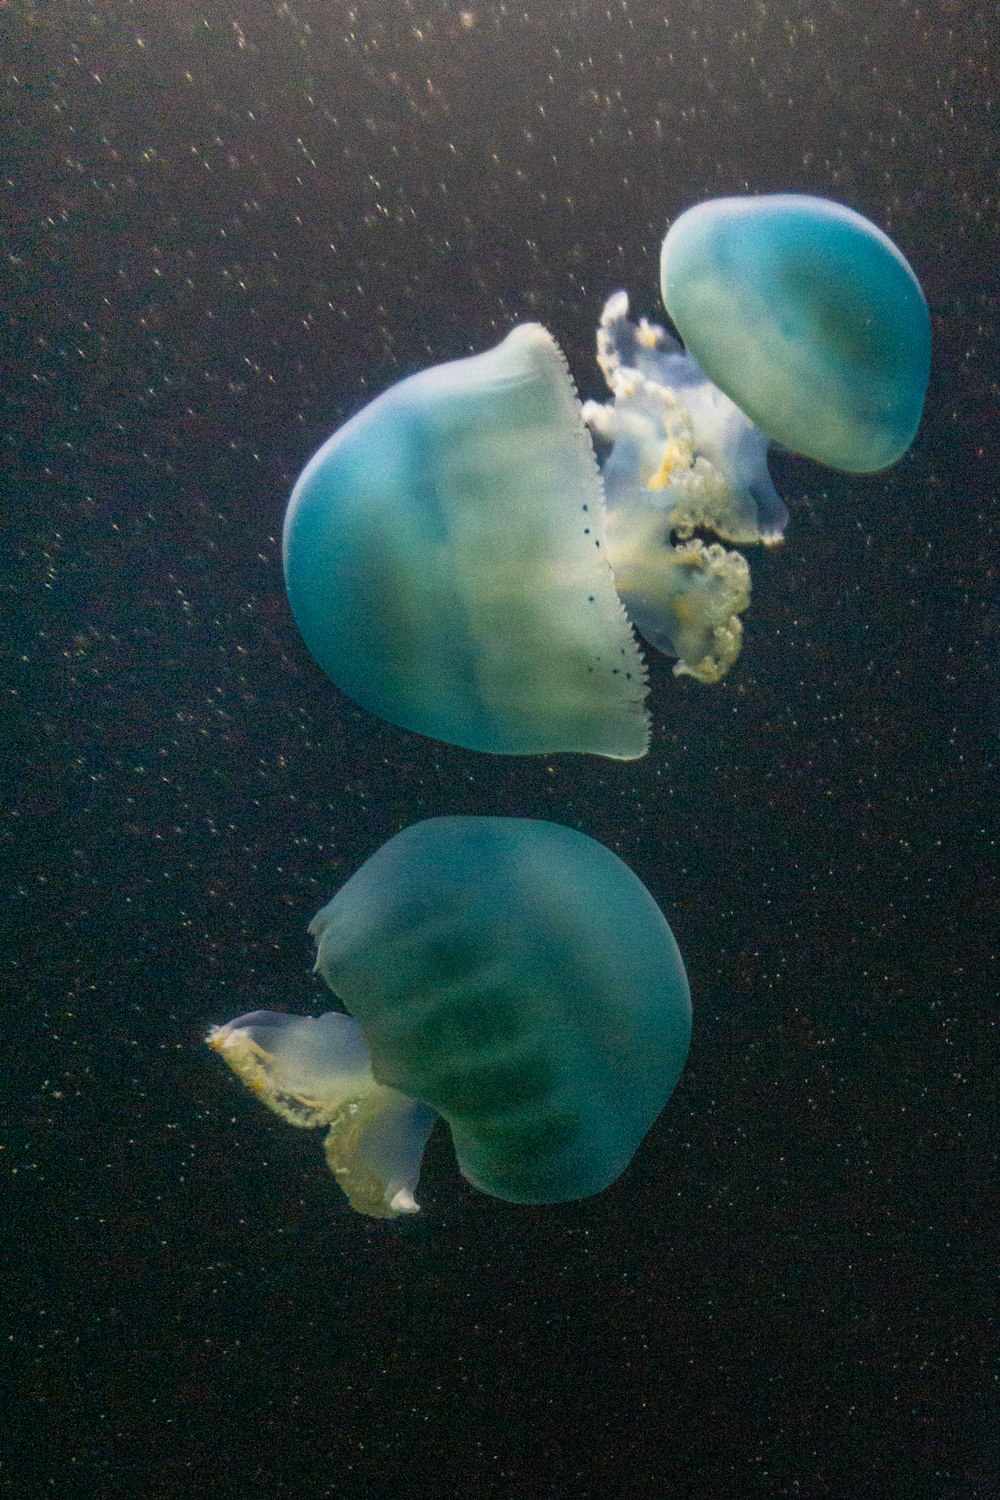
[444,563]
[511,976]
[808,317]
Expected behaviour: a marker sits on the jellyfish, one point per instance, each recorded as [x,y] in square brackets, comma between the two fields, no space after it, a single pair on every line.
[444,563]
[804,326]
[808,317]
[510,976]
[457,564]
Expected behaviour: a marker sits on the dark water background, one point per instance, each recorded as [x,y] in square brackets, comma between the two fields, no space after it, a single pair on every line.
[227,227]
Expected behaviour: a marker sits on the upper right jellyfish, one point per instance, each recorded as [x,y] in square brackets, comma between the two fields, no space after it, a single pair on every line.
[808,317]
[803,325]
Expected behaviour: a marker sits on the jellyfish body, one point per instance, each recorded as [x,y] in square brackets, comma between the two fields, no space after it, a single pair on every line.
[512,976]
[444,563]
[808,317]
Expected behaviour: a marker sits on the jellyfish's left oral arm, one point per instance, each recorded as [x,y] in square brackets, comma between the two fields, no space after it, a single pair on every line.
[316,1072]
[374,1148]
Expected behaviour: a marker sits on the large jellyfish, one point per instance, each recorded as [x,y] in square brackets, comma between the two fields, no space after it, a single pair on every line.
[444,560]
[449,556]
[513,977]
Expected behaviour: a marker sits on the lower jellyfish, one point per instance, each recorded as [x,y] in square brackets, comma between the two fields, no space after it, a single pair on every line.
[511,976]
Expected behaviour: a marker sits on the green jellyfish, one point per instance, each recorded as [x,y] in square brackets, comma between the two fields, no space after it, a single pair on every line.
[514,978]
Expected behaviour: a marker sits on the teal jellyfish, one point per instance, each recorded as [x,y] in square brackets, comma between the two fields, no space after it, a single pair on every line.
[808,317]
[513,977]
[444,562]
[803,325]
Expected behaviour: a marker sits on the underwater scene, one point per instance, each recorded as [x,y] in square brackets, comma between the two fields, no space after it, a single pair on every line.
[501,617]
